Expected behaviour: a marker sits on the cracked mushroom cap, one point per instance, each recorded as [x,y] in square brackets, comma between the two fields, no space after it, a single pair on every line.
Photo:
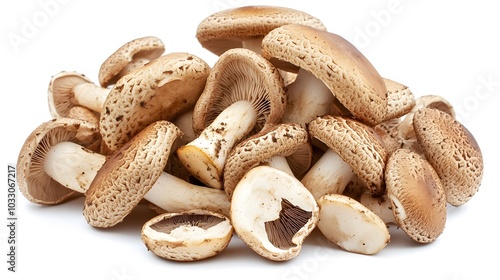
[344,70]
[352,226]
[161,90]
[128,174]
[453,152]
[417,196]
[288,140]
[227,29]
[357,144]
[187,236]
[272,212]
[131,55]
[34,183]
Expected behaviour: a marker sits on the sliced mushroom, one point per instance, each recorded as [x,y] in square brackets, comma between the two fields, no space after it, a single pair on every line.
[128,57]
[244,94]
[351,225]
[272,212]
[453,152]
[328,67]
[187,236]
[416,194]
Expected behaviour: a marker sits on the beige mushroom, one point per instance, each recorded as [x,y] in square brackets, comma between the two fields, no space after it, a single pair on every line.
[244,93]
[128,57]
[400,99]
[84,114]
[349,224]
[380,205]
[453,152]
[272,212]
[187,236]
[416,194]
[353,148]
[328,67]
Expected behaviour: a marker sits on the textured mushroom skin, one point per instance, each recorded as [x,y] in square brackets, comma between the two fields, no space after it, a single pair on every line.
[453,152]
[400,99]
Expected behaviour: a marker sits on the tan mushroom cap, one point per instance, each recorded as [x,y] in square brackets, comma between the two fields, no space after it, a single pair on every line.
[357,144]
[187,236]
[288,140]
[128,174]
[350,225]
[60,92]
[226,29]
[400,99]
[416,194]
[33,182]
[84,114]
[453,152]
[131,55]
[345,71]
[161,90]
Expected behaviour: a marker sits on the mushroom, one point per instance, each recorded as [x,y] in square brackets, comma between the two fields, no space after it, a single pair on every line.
[243,94]
[283,146]
[350,225]
[400,99]
[328,68]
[128,57]
[161,90]
[187,236]
[34,182]
[272,212]
[353,149]
[84,114]
[380,205]
[453,152]
[416,194]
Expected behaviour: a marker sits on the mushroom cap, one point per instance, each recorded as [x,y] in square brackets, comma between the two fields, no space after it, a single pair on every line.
[60,92]
[357,144]
[416,194]
[84,114]
[128,174]
[161,90]
[453,152]
[288,140]
[272,212]
[241,74]
[346,72]
[227,29]
[352,226]
[148,48]
[33,182]
[400,99]
[187,236]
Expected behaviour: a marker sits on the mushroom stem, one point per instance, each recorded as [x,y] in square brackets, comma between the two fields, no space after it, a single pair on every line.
[75,167]
[329,175]
[381,206]
[206,155]
[307,98]
[279,162]
[253,44]
[91,96]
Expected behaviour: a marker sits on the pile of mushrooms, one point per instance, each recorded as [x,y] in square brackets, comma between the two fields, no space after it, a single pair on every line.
[291,129]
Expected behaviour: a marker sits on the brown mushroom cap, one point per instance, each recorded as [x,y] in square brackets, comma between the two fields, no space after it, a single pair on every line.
[357,144]
[227,29]
[161,90]
[187,236]
[131,55]
[400,99]
[33,182]
[346,72]
[453,152]
[128,174]
[416,194]
[288,140]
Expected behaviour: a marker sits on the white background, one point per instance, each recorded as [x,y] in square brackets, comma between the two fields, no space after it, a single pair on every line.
[449,48]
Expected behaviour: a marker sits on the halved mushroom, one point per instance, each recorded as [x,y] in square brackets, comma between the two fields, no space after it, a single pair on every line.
[453,152]
[128,57]
[187,236]
[349,224]
[329,67]
[244,93]
[272,212]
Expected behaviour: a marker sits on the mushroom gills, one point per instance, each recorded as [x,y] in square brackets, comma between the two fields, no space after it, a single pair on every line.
[203,221]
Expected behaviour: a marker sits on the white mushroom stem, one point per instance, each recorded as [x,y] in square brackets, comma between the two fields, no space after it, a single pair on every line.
[279,162]
[329,175]
[307,98]
[75,167]
[254,44]
[132,65]
[90,95]
[206,155]
[380,206]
